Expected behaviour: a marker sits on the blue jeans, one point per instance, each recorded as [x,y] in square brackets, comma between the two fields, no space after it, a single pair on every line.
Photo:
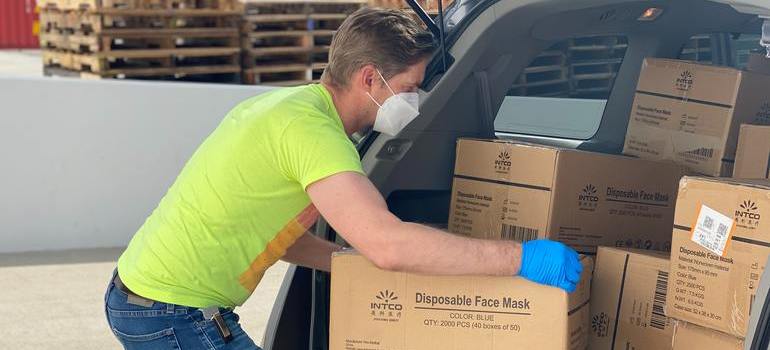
[168,326]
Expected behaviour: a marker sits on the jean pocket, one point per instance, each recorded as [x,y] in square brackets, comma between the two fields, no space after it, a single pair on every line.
[163,339]
[240,340]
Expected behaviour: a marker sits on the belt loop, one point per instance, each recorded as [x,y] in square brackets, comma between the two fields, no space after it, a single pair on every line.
[170,309]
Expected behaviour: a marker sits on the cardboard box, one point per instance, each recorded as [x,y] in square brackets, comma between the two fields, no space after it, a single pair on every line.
[628,298]
[752,159]
[374,309]
[506,190]
[712,290]
[758,63]
[689,336]
[690,113]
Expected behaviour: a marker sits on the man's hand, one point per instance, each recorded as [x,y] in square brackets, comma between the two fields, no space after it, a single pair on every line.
[551,263]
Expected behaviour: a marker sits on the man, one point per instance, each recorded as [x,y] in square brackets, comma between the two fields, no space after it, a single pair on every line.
[255,186]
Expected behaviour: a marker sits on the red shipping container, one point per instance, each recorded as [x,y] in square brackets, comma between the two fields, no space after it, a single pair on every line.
[18,24]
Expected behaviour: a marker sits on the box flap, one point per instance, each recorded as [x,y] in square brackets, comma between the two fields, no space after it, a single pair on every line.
[506,161]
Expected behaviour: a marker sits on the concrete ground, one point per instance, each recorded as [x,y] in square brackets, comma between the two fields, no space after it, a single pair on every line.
[54,300]
[21,63]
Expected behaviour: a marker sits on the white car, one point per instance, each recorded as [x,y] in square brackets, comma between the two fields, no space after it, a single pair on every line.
[550,71]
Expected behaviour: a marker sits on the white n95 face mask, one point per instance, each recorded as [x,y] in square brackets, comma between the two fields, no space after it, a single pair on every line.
[396,112]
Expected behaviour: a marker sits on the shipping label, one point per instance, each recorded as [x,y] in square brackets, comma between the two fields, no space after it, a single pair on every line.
[712,230]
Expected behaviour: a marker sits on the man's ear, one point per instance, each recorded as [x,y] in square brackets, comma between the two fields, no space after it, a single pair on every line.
[368,77]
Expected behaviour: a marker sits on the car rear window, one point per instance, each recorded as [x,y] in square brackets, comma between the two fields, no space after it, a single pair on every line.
[563,92]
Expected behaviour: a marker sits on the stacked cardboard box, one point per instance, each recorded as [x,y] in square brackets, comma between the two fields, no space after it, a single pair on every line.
[690,113]
[719,250]
[628,300]
[752,159]
[684,115]
[508,190]
[689,336]
[375,309]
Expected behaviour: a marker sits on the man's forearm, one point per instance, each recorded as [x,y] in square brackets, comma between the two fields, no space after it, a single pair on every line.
[418,248]
[312,252]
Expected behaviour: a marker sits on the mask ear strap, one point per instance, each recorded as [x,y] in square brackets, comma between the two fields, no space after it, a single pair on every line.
[386,83]
[373,100]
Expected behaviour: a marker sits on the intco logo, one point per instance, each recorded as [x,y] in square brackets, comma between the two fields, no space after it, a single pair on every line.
[503,161]
[385,305]
[685,81]
[747,216]
[600,324]
[587,198]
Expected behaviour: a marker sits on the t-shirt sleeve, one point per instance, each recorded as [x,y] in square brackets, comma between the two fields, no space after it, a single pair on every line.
[314,148]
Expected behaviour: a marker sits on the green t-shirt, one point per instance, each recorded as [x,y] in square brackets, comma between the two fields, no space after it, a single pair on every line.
[240,201]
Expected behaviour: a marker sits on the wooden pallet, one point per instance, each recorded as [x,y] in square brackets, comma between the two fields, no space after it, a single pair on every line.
[139,4]
[54,41]
[52,21]
[553,88]
[596,48]
[143,39]
[156,62]
[697,49]
[300,21]
[279,75]
[284,47]
[88,22]
[200,74]
[52,58]
[593,84]
[549,58]
[286,42]
[532,75]
[430,6]
[582,69]
[302,6]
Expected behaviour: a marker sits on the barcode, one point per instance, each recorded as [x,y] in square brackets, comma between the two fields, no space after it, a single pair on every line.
[721,231]
[709,222]
[751,304]
[659,319]
[518,233]
[700,152]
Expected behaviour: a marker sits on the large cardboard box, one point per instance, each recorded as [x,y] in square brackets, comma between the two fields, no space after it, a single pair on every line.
[690,113]
[752,159]
[688,336]
[724,216]
[506,190]
[628,298]
[374,309]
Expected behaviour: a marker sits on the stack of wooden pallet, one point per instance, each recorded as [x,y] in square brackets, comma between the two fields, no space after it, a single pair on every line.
[430,6]
[583,67]
[547,75]
[165,39]
[594,62]
[286,42]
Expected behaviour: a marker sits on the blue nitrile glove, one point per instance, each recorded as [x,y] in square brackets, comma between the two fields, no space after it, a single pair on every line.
[552,263]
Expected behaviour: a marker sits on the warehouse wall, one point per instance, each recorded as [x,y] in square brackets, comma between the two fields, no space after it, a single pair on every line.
[83,163]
